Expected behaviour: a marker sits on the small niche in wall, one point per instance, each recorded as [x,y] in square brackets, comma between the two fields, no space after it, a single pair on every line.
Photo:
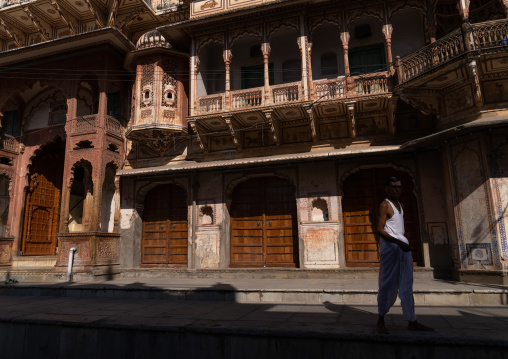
[206,215]
[319,210]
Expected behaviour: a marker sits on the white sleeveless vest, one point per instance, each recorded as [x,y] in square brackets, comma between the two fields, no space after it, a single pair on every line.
[395,225]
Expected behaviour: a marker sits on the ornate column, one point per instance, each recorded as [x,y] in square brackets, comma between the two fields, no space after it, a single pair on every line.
[463,7]
[227,55]
[265,49]
[344,37]
[302,43]
[194,60]
[387,31]
[311,81]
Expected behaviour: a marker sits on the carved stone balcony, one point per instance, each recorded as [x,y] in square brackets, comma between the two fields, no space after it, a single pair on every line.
[250,99]
[5,3]
[480,38]
[9,144]
[84,124]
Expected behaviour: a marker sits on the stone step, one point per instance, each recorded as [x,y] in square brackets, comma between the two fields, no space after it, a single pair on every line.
[308,291]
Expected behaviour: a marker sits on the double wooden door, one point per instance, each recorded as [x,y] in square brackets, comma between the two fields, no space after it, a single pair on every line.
[165,227]
[42,206]
[363,192]
[264,224]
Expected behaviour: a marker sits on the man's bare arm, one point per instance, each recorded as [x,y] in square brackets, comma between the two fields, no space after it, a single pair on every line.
[385,213]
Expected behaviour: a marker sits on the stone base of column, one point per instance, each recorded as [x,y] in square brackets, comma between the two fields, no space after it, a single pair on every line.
[483,276]
[6,250]
[97,252]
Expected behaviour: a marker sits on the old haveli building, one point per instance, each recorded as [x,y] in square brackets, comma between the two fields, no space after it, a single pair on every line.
[167,136]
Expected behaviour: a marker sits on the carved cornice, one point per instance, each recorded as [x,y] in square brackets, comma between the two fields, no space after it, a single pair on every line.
[45,35]
[131,17]
[113,10]
[11,33]
[65,17]
[95,13]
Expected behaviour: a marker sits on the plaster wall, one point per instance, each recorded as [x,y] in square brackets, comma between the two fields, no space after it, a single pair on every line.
[476,231]
[377,36]
[436,237]
[319,221]
[499,188]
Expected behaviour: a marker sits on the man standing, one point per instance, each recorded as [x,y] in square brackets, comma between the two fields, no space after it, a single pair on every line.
[396,263]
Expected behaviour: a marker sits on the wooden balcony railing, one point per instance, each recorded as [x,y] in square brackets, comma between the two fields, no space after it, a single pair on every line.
[371,84]
[286,93]
[210,104]
[85,124]
[9,143]
[490,34]
[113,126]
[479,38]
[331,89]
[246,98]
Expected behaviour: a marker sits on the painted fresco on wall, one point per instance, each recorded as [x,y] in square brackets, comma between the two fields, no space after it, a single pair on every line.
[495,91]
[372,125]
[219,143]
[334,130]
[257,138]
[296,134]
[458,100]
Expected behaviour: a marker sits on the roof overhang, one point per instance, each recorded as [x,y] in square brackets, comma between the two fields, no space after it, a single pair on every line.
[109,35]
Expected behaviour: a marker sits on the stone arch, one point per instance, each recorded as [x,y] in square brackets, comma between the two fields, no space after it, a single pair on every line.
[87,93]
[245,33]
[288,25]
[58,139]
[323,22]
[10,191]
[415,194]
[208,41]
[232,184]
[143,190]
[81,192]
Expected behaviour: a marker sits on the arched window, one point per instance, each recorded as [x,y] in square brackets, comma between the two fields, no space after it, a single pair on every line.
[4,204]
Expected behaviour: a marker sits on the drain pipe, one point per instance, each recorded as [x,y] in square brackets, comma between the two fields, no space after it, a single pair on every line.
[71,260]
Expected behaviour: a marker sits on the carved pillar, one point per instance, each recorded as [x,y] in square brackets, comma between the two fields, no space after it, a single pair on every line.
[313,125]
[473,74]
[227,55]
[463,8]
[64,207]
[303,43]
[265,49]
[352,119]
[391,115]
[344,37]
[311,81]
[193,79]
[387,31]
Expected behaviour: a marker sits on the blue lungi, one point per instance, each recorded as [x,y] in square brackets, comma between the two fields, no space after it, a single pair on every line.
[395,275]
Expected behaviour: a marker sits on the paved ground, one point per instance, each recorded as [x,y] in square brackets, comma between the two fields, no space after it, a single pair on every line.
[454,322]
[469,324]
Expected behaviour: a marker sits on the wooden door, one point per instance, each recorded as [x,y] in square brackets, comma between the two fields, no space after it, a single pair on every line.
[363,192]
[263,224]
[43,204]
[165,227]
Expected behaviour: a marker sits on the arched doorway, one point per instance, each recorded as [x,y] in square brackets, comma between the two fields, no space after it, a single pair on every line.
[363,192]
[42,208]
[264,230]
[165,227]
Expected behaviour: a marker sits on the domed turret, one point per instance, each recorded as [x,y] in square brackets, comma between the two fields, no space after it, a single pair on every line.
[152,39]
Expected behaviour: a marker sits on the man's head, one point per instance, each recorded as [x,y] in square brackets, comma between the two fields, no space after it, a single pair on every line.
[393,187]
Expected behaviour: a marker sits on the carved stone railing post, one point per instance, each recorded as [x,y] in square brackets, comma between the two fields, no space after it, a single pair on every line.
[399,69]
[227,55]
[265,48]
[463,8]
[387,31]
[344,37]
[352,119]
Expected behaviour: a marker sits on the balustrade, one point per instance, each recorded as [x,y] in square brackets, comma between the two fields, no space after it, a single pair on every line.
[483,36]
[211,104]
[490,34]
[113,126]
[9,143]
[6,3]
[371,84]
[246,98]
[330,89]
[85,124]
[286,93]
